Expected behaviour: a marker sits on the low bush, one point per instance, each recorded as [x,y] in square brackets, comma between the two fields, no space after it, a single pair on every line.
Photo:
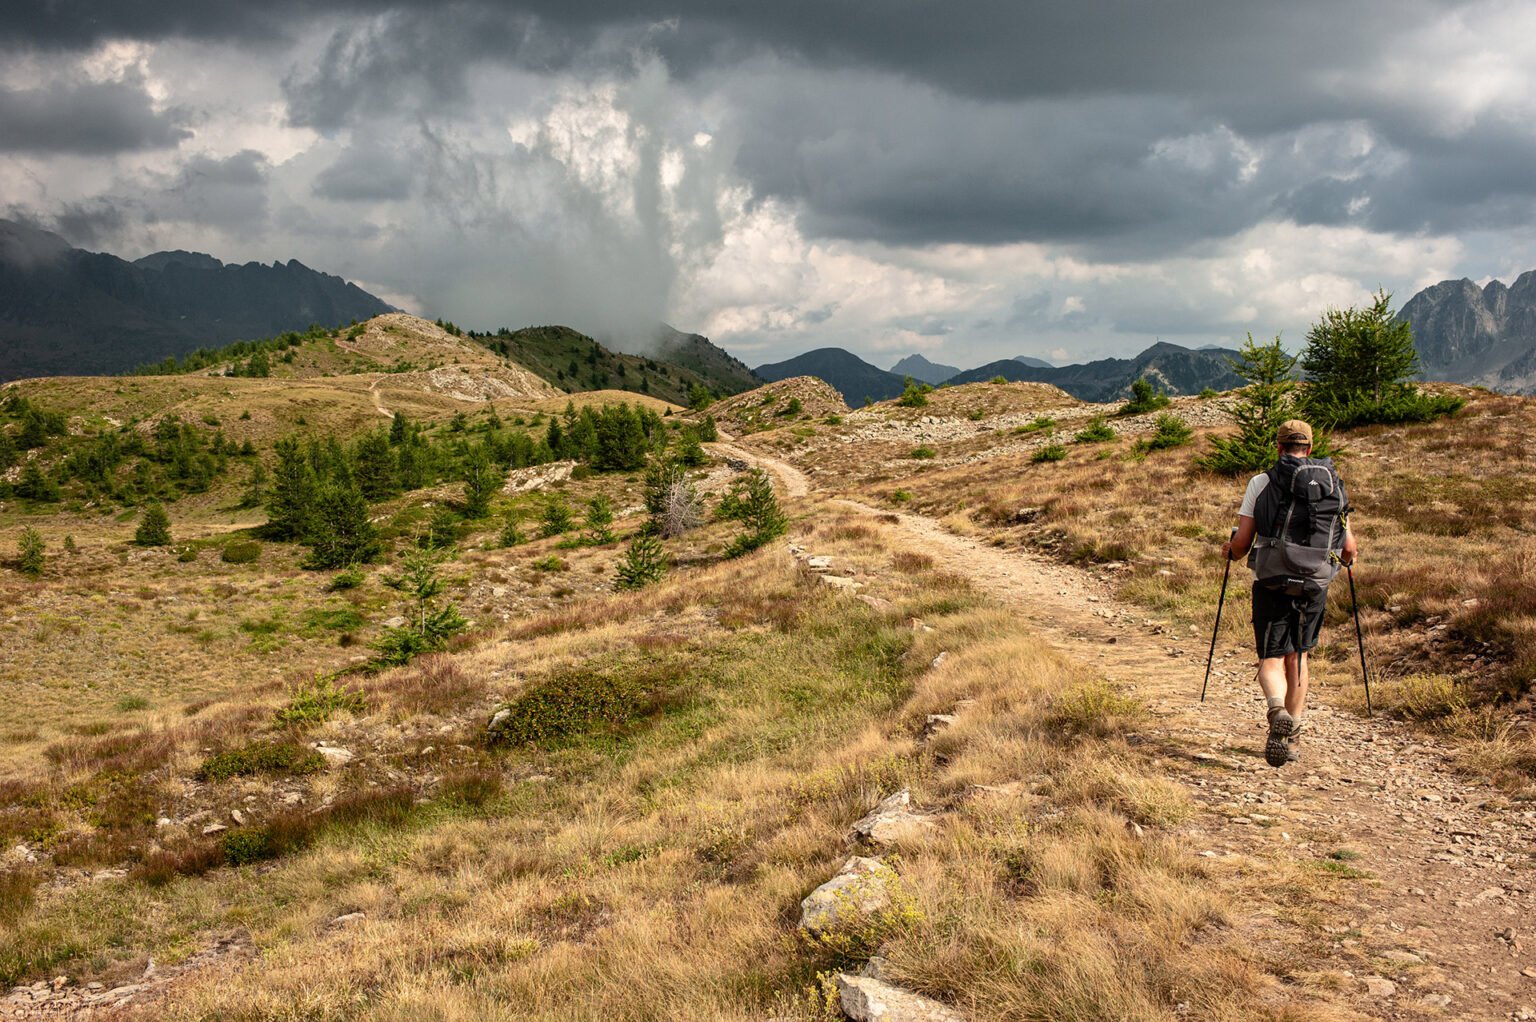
[240,552]
[1097,431]
[582,700]
[261,758]
[317,699]
[1039,423]
[1050,452]
[924,452]
[644,562]
[1171,431]
[1144,398]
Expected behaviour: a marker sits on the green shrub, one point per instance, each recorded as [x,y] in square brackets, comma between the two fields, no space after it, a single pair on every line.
[1144,398]
[900,497]
[1050,452]
[1206,393]
[1039,423]
[186,555]
[1097,431]
[551,563]
[261,758]
[351,578]
[833,420]
[599,520]
[315,700]
[1000,380]
[581,701]
[510,534]
[915,395]
[1171,431]
[128,704]
[977,414]
[644,563]
[241,551]
[924,452]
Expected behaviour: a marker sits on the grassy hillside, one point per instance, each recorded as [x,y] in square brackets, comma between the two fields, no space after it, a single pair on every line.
[602,802]
[573,361]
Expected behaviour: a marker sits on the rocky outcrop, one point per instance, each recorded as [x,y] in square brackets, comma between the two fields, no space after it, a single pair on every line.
[865,999]
[1480,335]
[892,822]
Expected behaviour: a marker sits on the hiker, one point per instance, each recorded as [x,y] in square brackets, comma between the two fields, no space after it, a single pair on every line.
[1294,527]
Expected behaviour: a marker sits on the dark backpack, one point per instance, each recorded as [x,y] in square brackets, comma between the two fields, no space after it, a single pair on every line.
[1299,526]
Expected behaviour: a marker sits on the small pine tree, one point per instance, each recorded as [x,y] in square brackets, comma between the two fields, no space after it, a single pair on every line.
[341,533]
[69,544]
[557,517]
[30,551]
[1360,364]
[1145,397]
[644,562]
[761,514]
[1268,400]
[599,520]
[154,527]
[510,535]
[482,479]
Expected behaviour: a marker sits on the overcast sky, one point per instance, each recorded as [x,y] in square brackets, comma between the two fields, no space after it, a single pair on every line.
[971,179]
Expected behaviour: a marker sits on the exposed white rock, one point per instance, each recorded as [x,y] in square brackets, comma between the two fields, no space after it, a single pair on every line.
[892,822]
[335,755]
[865,999]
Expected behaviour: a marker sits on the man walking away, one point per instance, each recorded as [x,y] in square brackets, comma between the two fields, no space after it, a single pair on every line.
[1294,527]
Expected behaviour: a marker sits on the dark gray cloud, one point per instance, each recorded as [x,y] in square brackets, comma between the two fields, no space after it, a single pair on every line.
[369,171]
[86,118]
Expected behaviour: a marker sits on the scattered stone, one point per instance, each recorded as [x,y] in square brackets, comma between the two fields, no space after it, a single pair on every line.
[936,661]
[1438,1000]
[865,999]
[347,920]
[1399,957]
[213,828]
[860,889]
[842,582]
[1380,986]
[818,563]
[892,822]
[937,722]
[237,816]
[335,755]
[395,622]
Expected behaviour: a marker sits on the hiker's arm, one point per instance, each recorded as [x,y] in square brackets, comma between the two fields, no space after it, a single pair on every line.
[1237,547]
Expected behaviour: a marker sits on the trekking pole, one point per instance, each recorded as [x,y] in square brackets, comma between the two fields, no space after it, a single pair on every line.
[1221,602]
[1354,606]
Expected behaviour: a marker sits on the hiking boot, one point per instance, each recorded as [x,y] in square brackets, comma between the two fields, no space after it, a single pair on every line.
[1277,745]
[1294,743]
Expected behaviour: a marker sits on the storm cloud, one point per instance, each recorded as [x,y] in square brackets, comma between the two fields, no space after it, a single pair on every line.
[973,181]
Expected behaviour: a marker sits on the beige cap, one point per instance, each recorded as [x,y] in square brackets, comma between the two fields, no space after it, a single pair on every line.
[1294,431]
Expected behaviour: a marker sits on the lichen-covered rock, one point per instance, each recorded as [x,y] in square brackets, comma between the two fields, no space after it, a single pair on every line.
[860,890]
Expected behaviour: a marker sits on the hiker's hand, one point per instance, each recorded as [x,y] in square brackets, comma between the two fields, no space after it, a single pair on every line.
[1226,550]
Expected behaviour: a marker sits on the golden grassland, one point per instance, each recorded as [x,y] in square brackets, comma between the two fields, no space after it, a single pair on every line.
[1445,512]
[647,858]
[652,866]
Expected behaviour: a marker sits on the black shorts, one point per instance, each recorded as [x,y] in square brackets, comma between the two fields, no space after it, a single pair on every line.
[1286,624]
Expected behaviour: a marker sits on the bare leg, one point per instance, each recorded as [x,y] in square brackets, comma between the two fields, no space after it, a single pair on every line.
[1297,677]
[1272,677]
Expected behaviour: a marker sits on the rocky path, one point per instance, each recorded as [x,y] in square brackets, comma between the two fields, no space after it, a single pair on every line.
[1435,872]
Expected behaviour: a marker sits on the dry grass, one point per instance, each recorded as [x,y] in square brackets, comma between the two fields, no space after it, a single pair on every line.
[658,869]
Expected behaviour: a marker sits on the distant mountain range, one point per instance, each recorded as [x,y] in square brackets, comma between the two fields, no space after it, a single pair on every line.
[847,373]
[65,311]
[1479,335]
[919,368]
[1176,370]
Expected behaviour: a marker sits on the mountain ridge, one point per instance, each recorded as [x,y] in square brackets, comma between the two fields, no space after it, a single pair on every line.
[116,314]
[1484,335]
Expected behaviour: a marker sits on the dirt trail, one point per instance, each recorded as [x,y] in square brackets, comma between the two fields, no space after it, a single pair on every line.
[1435,888]
[378,402]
